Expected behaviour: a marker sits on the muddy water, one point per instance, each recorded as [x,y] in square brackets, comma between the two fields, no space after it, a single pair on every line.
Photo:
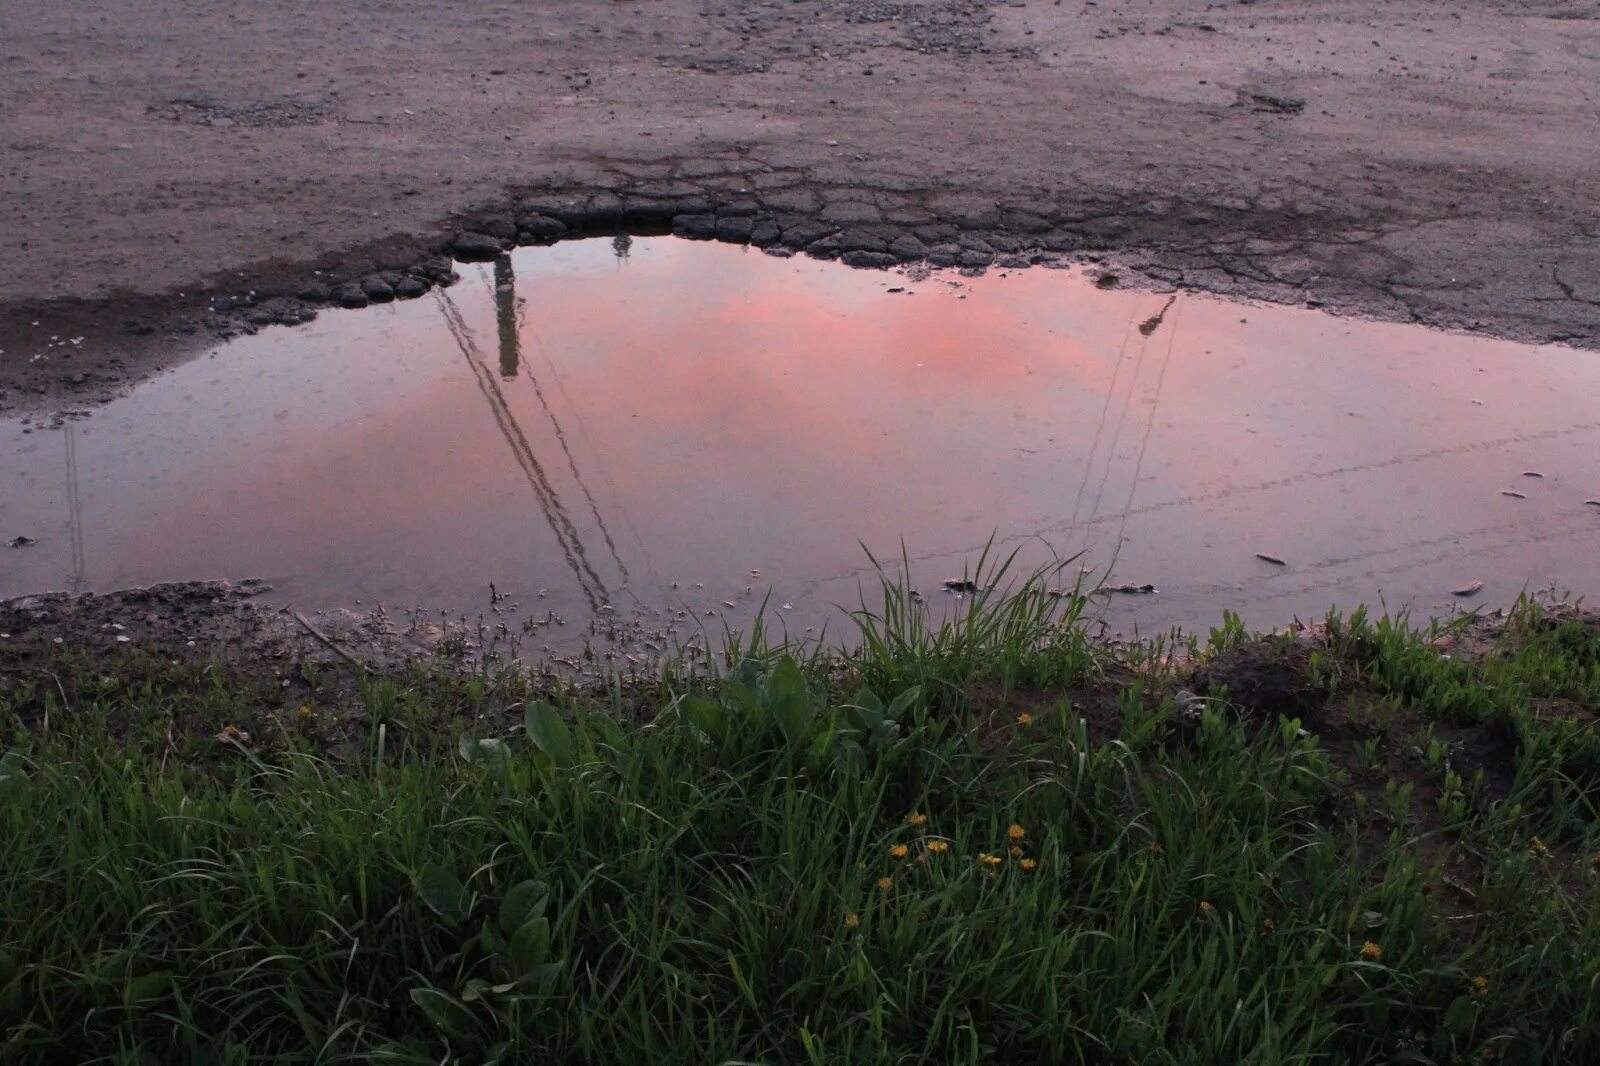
[692,426]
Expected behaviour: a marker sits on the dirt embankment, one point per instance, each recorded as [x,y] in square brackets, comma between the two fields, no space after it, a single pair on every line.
[170,167]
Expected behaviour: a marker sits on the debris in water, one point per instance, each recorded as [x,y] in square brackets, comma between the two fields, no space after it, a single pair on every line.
[1471,589]
[1591,503]
[1153,323]
[1514,494]
[1273,559]
[960,584]
[1531,473]
[897,288]
[20,541]
[1106,280]
[1130,589]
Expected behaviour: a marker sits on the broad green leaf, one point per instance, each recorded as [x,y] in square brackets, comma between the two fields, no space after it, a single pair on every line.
[1460,1017]
[900,703]
[485,750]
[525,900]
[708,717]
[549,733]
[848,757]
[743,700]
[148,986]
[449,1015]
[443,892]
[529,946]
[789,702]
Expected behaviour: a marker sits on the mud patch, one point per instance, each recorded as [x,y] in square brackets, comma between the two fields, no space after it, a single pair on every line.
[254,114]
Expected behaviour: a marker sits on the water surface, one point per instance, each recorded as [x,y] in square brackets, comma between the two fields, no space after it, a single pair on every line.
[694,425]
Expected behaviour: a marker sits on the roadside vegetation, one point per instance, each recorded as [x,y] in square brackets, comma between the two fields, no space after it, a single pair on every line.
[989,840]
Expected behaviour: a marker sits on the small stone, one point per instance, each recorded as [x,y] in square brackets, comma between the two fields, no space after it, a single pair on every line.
[944,255]
[540,229]
[434,267]
[376,289]
[907,248]
[826,248]
[499,226]
[870,260]
[350,295]
[803,234]
[736,230]
[862,240]
[695,227]
[410,288]
[765,233]
[476,247]
[974,259]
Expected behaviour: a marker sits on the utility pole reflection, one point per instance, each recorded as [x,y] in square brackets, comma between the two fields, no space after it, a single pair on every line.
[505,316]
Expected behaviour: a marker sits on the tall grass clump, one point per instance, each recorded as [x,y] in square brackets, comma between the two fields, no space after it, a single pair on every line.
[870,857]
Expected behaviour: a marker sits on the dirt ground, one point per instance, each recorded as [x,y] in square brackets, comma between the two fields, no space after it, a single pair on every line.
[165,161]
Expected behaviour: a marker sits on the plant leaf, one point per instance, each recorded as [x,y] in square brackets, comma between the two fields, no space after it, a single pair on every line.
[449,1015]
[443,892]
[708,717]
[900,703]
[147,986]
[529,946]
[788,702]
[526,900]
[549,733]
[485,750]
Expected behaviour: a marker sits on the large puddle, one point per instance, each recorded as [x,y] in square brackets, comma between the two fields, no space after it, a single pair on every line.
[694,426]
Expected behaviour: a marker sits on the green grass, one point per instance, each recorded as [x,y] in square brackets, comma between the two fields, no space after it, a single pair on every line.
[694,875]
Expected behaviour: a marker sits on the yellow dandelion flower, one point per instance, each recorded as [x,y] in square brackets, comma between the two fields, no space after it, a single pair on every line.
[899,851]
[305,710]
[852,921]
[1024,718]
[1206,907]
[1538,846]
[885,882]
[938,847]
[1015,832]
[916,818]
[1269,925]
[1480,985]
[1016,853]
[1029,864]
[1371,951]
[989,860]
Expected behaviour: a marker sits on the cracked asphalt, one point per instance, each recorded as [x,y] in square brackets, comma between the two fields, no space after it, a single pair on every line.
[1393,159]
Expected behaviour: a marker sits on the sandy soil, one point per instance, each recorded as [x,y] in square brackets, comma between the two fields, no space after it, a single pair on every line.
[1402,158]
